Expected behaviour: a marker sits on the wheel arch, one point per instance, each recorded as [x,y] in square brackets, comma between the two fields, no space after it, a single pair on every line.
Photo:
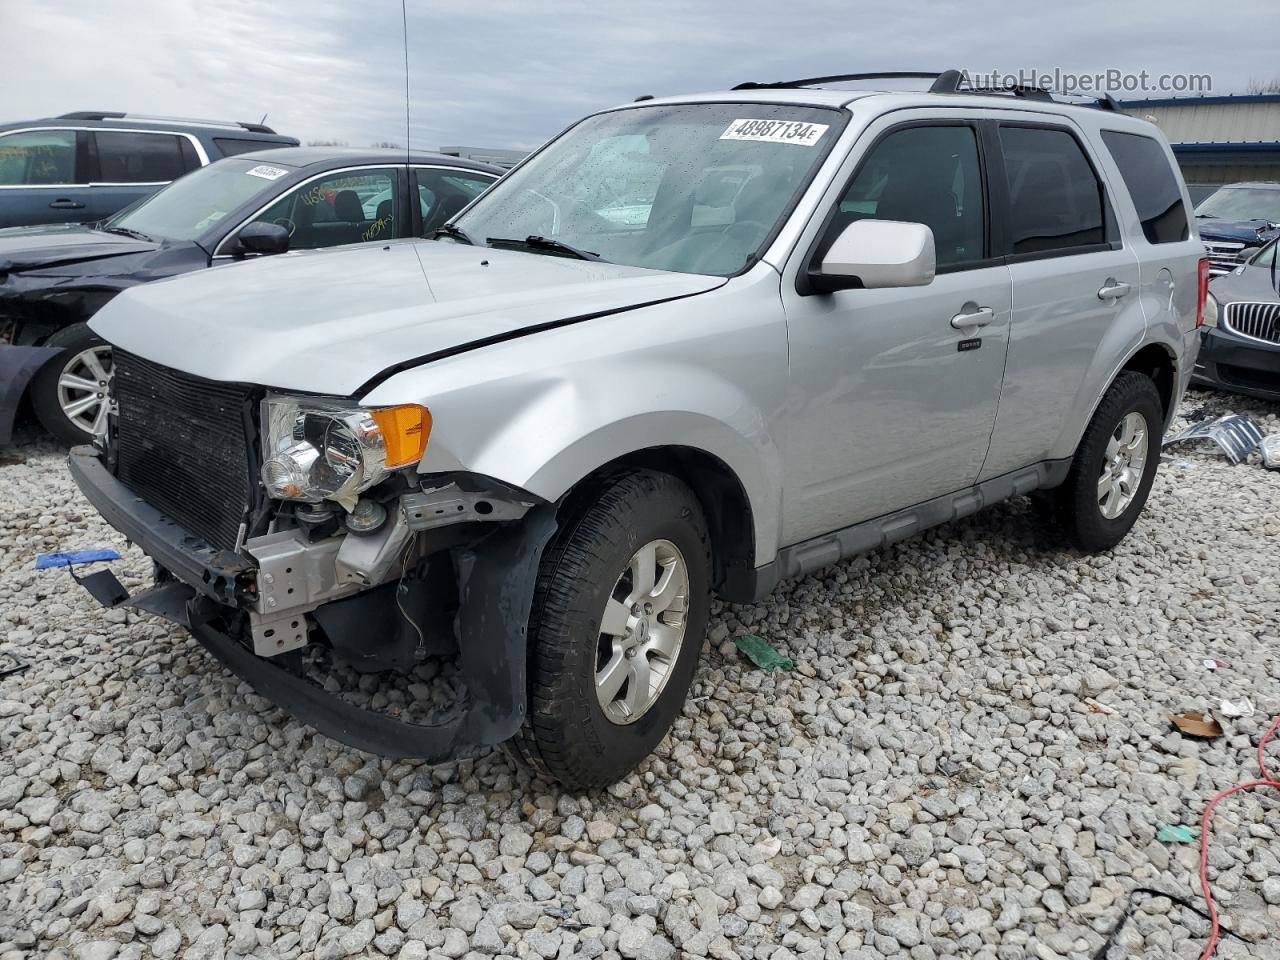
[1156,361]
[726,506]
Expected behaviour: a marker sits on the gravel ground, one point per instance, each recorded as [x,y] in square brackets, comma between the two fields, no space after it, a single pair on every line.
[930,780]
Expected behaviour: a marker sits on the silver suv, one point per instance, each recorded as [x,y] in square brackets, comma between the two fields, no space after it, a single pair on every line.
[692,345]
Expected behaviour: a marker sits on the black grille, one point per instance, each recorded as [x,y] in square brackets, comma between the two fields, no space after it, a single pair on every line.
[181,445]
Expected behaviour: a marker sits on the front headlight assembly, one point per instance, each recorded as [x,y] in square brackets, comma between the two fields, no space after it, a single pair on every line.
[316,449]
[1211,310]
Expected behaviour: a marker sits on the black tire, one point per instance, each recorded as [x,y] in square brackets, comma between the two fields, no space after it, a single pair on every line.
[567,734]
[1076,504]
[44,386]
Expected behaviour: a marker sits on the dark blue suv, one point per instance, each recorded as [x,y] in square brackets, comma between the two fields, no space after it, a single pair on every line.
[83,167]
[1236,221]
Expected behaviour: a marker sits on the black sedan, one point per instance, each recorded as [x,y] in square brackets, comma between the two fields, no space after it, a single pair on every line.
[1240,349]
[54,278]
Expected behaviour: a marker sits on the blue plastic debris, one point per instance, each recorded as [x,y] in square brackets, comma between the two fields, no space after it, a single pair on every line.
[46,560]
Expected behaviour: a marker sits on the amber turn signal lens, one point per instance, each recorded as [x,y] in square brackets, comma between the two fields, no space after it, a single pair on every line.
[405,430]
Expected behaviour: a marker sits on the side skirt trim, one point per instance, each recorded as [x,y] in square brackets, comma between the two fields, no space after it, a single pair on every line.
[799,559]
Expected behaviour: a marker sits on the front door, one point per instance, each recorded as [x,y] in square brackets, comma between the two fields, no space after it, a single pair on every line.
[890,403]
[44,177]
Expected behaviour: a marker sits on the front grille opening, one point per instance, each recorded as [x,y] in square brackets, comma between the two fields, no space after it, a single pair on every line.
[1258,320]
[183,444]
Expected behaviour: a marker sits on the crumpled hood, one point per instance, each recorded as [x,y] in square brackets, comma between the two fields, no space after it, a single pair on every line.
[62,244]
[328,321]
[1246,231]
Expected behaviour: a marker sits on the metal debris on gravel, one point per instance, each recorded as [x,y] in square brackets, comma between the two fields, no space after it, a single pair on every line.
[934,778]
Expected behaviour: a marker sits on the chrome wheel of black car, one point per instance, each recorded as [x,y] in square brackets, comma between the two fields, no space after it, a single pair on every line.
[82,389]
[71,393]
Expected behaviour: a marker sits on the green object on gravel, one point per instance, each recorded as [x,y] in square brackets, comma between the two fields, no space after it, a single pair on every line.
[1178,834]
[761,654]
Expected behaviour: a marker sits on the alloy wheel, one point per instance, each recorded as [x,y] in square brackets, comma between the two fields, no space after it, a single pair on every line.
[83,389]
[1123,463]
[641,631]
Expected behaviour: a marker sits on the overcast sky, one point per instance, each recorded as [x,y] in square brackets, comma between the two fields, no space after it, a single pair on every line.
[503,73]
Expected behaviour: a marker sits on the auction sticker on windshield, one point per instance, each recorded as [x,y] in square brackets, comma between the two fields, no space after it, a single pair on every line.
[775,131]
[267,172]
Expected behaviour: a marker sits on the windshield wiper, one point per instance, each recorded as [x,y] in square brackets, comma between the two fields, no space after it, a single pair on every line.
[452,230]
[547,243]
[126,232]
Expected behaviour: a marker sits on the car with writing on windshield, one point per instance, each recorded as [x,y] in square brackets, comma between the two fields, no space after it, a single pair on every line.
[479,489]
[54,278]
[84,166]
[1236,221]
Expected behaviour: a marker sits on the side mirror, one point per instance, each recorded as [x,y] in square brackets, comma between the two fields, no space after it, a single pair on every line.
[261,237]
[877,253]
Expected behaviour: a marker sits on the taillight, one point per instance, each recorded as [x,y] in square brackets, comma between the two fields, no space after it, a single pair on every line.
[1202,290]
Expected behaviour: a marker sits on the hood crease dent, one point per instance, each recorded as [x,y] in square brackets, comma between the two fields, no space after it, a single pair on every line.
[339,321]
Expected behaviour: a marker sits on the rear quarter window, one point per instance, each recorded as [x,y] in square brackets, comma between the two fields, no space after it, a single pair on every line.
[1151,183]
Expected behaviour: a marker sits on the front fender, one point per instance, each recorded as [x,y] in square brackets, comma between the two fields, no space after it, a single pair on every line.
[17,366]
[544,411]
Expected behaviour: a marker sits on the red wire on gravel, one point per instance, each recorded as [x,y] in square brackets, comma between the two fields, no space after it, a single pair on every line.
[1265,781]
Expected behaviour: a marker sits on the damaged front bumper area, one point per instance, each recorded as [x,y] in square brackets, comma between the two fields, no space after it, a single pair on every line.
[451,573]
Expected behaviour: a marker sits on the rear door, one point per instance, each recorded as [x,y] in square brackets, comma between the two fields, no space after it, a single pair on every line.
[44,176]
[1076,308]
[1156,216]
[131,164]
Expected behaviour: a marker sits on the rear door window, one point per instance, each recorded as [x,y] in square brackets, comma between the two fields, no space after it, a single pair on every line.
[1152,185]
[125,157]
[442,193]
[38,158]
[1055,198]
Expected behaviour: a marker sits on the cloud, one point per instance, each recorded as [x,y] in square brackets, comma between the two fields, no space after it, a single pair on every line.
[510,74]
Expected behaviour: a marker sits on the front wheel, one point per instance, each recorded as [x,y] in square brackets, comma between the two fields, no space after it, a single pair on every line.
[70,393]
[619,615]
[1114,466]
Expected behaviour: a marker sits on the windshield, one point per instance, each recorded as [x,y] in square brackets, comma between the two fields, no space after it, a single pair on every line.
[188,207]
[1266,257]
[694,188]
[1242,203]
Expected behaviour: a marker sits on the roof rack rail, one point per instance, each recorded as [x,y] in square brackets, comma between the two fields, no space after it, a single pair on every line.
[944,81]
[840,78]
[147,118]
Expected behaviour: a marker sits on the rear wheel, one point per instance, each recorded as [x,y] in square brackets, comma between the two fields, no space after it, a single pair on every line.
[69,394]
[1113,467]
[617,627]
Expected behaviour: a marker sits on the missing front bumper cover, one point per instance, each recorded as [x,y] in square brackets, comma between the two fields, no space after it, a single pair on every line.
[494,574]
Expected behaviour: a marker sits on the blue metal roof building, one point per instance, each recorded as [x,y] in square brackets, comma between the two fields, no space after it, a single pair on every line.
[1218,139]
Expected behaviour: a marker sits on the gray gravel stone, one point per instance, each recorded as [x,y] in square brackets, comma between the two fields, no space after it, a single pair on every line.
[928,781]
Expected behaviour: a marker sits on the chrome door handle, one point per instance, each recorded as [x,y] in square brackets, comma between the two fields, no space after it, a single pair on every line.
[1112,289]
[972,315]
